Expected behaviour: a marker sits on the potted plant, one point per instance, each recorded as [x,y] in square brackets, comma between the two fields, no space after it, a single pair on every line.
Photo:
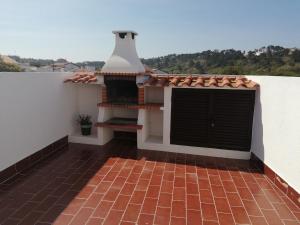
[85,124]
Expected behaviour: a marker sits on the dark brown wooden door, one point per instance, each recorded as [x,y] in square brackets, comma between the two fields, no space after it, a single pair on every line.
[212,118]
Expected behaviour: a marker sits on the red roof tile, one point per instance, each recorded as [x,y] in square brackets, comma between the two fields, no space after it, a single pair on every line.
[205,81]
[82,77]
[119,74]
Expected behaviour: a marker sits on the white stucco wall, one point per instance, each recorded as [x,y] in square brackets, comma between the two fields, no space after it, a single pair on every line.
[276,126]
[155,122]
[154,94]
[88,96]
[36,110]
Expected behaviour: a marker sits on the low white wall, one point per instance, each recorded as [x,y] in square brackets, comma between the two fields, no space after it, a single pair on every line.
[88,96]
[36,110]
[276,126]
[155,122]
[154,94]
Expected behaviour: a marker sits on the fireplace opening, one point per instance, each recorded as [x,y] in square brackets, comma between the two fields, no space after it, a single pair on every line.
[121,90]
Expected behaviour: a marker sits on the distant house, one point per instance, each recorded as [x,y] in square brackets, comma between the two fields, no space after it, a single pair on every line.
[64,67]
[26,67]
[148,69]
[47,68]
[89,68]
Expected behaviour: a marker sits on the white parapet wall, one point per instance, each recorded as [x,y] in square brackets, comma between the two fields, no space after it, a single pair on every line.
[36,110]
[276,126]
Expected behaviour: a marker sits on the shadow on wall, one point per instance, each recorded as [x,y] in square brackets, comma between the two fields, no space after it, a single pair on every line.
[257,129]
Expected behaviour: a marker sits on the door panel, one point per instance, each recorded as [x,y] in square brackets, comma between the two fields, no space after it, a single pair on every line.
[233,112]
[212,118]
[189,116]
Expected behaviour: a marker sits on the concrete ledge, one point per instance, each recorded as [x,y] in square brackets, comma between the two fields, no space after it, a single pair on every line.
[33,159]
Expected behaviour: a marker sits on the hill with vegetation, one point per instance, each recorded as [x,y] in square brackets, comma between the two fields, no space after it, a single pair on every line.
[8,67]
[271,60]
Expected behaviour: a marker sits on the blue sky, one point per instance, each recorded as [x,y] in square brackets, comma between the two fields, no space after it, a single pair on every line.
[80,30]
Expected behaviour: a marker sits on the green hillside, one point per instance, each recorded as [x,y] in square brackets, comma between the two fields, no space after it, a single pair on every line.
[271,60]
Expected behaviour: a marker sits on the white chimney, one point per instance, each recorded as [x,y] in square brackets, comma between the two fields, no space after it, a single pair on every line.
[124,58]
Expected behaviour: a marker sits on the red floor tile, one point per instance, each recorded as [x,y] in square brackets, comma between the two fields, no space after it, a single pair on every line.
[192,188]
[149,206]
[103,187]
[194,217]
[263,202]
[178,221]
[113,218]
[258,220]
[229,186]
[93,200]
[206,196]
[193,202]
[252,208]
[226,219]
[156,179]
[132,213]
[272,217]
[218,191]
[63,219]
[178,209]
[215,180]
[209,211]
[142,185]
[121,202]
[145,219]
[82,216]
[120,185]
[284,212]
[127,189]
[179,194]
[162,216]
[179,182]
[153,191]
[31,218]
[165,200]
[74,206]
[167,186]
[210,222]
[138,197]
[222,205]
[95,221]
[240,215]
[111,194]
[204,184]
[191,178]
[103,209]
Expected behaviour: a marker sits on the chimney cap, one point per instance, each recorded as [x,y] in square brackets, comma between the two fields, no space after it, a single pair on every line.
[124,31]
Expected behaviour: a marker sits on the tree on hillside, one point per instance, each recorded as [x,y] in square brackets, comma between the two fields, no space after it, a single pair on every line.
[6,67]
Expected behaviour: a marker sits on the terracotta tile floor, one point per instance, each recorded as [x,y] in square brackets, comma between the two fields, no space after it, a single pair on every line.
[120,185]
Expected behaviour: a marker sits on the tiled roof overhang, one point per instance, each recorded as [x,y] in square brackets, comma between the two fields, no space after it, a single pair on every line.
[119,74]
[82,77]
[200,81]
